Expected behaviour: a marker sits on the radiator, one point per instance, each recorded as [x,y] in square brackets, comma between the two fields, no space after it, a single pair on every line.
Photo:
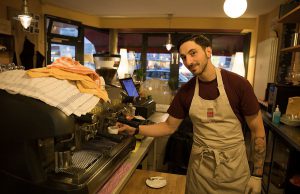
[265,66]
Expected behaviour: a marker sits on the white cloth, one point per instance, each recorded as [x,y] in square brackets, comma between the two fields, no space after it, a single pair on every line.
[62,94]
[253,185]
[218,162]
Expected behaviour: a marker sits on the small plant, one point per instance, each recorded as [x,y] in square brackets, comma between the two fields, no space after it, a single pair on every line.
[139,73]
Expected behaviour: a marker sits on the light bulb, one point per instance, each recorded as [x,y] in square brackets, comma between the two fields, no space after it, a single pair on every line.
[169,46]
[235,8]
[25,20]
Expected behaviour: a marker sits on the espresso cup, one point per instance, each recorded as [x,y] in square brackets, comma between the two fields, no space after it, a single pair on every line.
[113,129]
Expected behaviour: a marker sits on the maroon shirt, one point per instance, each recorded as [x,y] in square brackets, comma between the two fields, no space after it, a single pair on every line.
[238,90]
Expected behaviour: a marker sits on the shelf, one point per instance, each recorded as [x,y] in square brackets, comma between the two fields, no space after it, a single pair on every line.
[291,17]
[291,49]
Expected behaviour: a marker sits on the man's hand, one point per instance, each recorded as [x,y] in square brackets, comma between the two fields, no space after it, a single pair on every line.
[253,185]
[126,128]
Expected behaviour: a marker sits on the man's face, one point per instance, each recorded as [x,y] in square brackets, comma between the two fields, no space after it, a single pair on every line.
[194,57]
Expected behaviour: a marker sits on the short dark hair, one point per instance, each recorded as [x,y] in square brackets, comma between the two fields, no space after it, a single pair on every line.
[199,39]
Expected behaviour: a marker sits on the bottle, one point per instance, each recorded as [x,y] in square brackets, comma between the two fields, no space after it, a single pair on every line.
[276,115]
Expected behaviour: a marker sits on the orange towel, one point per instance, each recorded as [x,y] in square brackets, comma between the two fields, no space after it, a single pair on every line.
[86,80]
[70,65]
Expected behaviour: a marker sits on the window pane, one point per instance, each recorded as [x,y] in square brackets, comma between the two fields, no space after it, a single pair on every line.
[184,74]
[157,41]
[224,62]
[138,61]
[158,66]
[89,50]
[64,29]
[227,45]
[156,44]
[99,38]
[60,50]
[95,41]
[130,41]
[158,60]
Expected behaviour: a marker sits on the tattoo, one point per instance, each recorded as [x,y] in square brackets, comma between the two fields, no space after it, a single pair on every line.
[258,147]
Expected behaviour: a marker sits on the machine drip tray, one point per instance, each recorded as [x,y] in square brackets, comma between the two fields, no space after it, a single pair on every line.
[100,157]
[81,161]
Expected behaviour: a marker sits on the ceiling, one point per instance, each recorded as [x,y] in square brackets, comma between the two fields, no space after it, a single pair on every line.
[161,8]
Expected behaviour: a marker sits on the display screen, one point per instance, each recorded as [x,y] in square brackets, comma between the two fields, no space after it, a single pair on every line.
[129,87]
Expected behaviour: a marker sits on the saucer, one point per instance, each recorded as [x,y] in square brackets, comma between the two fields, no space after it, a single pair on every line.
[156,182]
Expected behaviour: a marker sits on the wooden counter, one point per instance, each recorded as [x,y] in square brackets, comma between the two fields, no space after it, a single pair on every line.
[137,183]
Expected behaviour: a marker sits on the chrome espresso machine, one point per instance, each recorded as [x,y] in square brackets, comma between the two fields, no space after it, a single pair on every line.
[45,151]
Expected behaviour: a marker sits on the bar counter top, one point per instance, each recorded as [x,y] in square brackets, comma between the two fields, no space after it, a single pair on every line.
[289,133]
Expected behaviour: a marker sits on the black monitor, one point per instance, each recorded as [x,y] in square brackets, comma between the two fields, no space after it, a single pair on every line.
[129,87]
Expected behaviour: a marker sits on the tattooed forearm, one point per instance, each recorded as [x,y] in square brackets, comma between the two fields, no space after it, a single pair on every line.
[258,147]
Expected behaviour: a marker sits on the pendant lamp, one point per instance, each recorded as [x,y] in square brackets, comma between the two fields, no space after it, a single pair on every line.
[169,44]
[235,8]
[25,18]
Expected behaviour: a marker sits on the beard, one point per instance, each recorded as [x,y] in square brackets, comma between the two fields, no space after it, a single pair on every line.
[198,64]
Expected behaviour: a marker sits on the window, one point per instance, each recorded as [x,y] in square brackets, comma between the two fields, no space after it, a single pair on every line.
[146,50]
[58,50]
[224,48]
[95,41]
[64,38]
[130,41]
[224,62]
[184,72]
[64,29]
[158,61]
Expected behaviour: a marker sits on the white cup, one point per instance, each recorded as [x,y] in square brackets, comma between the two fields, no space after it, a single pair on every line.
[113,129]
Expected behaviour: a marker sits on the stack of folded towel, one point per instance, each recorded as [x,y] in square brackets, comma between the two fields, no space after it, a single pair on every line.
[65,84]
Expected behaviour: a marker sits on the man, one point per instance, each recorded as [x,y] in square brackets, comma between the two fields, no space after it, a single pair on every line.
[217,101]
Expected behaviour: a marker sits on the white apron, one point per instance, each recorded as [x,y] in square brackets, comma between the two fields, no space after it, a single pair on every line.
[218,163]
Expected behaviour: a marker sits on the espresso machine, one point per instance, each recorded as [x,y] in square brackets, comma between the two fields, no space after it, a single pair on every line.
[106,66]
[45,151]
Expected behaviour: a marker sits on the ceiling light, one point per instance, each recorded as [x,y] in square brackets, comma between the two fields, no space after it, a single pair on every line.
[235,8]
[25,18]
[169,44]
